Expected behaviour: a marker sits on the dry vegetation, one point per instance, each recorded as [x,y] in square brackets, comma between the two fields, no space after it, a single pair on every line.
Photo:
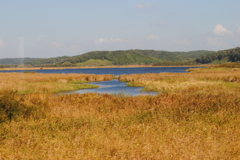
[31,82]
[196,116]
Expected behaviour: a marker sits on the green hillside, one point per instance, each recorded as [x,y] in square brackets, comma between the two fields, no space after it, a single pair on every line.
[47,61]
[95,62]
[121,57]
[15,61]
[175,56]
[223,56]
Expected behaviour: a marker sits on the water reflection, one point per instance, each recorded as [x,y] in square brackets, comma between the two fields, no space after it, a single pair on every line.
[115,87]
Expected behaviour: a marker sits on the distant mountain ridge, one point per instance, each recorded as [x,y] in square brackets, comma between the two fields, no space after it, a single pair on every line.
[128,57]
[119,57]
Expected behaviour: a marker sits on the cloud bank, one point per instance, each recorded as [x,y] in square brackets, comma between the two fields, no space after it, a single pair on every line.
[56,44]
[219,30]
[2,44]
[215,41]
[111,40]
[143,6]
[153,37]
[238,30]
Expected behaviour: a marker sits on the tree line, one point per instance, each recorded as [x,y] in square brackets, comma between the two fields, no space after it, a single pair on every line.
[122,57]
[231,55]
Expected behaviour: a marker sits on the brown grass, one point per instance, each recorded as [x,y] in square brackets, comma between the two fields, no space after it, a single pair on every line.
[43,83]
[184,122]
[198,78]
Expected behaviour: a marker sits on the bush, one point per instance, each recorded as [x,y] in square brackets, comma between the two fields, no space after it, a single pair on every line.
[9,106]
[14,107]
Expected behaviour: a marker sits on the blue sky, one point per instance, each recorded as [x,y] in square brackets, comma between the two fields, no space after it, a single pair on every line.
[51,28]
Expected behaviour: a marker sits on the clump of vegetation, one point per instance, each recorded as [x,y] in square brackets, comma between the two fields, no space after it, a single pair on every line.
[17,108]
[187,63]
[228,65]
[195,117]
[95,62]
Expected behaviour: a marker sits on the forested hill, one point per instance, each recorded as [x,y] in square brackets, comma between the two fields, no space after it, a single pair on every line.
[121,57]
[229,55]
[15,61]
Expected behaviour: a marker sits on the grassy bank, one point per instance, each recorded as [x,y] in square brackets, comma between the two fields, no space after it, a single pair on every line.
[196,117]
[31,82]
[199,79]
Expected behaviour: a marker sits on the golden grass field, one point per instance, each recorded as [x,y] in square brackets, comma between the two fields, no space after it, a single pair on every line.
[195,116]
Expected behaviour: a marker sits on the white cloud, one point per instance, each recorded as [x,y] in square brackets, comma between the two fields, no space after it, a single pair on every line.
[238,30]
[75,48]
[162,23]
[56,45]
[143,6]
[215,41]
[219,30]
[115,40]
[2,44]
[21,46]
[100,40]
[181,42]
[111,40]
[153,37]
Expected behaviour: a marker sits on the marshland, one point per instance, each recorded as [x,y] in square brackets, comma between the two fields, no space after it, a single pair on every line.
[196,116]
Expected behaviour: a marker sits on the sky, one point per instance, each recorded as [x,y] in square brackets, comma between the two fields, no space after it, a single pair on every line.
[53,28]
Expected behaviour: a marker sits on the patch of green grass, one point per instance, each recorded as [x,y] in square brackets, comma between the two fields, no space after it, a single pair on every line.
[230,65]
[95,62]
[74,87]
[133,84]
[57,87]
[224,60]
[231,85]
[77,82]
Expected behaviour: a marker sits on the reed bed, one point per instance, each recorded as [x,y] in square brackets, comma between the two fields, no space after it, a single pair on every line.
[31,82]
[201,78]
[190,122]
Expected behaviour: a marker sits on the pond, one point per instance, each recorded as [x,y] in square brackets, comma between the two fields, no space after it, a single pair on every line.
[115,87]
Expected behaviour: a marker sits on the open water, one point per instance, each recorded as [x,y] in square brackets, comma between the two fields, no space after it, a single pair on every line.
[115,87]
[114,71]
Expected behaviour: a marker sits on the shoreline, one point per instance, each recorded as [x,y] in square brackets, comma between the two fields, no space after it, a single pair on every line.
[127,66]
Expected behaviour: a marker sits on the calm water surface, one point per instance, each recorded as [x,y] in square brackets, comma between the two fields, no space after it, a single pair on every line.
[114,71]
[115,87]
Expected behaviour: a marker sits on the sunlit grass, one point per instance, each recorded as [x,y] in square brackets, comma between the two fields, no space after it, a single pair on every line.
[199,78]
[48,83]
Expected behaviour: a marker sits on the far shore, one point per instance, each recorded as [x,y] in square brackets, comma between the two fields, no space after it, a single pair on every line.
[85,67]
